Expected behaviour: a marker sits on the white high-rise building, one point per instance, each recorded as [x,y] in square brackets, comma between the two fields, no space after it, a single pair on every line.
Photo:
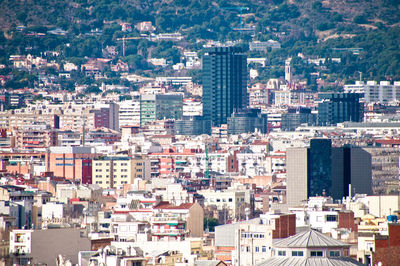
[129,112]
[384,92]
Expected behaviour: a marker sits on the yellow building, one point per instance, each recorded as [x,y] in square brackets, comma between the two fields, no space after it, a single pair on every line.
[109,172]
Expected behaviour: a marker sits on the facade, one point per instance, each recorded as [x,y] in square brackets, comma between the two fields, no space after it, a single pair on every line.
[234,201]
[339,107]
[224,83]
[110,172]
[35,138]
[294,118]
[192,125]
[384,92]
[170,222]
[73,163]
[263,46]
[160,106]
[310,248]
[351,172]
[323,170]
[129,112]
[44,246]
[247,121]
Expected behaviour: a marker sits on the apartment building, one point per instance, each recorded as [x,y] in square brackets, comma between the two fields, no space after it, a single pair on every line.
[109,172]
[35,138]
[73,163]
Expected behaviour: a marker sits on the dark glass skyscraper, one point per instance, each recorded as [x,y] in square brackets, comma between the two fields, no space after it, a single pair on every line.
[325,170]
[339,107]
[224,83]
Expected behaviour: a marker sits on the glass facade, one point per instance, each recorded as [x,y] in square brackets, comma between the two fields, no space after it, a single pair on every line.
[247,121]
[160,106]
[224,83]
[320,167]
[339,107]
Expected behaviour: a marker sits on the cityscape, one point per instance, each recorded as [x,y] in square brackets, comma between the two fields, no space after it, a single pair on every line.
[199,133]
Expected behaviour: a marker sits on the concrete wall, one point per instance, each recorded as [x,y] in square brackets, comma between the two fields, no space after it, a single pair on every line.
[48,244]
[296,176]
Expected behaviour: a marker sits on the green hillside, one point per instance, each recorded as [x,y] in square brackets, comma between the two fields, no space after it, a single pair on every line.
[313,28]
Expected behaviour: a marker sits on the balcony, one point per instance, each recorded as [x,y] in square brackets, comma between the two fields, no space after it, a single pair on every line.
[171,220]
[169,232]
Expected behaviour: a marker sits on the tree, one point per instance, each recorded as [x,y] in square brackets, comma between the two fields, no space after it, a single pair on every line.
[210,224]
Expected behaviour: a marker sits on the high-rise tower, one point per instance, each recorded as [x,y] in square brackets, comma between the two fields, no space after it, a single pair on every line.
[224,83]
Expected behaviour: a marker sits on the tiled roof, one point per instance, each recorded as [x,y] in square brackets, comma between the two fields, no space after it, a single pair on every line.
[166,205]
[296,261]
[310,238]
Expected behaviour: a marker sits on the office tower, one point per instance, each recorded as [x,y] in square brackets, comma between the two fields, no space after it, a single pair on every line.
[339,107]
[325,170]
[224,83]
[351,166]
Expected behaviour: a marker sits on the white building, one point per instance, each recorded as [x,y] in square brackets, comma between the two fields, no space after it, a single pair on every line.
[129,112]
[310,248]
[384,92]
[232,200]
[21,241]
[192,108]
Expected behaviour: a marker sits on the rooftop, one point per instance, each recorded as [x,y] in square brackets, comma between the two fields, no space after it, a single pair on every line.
[300,261]
[309,238]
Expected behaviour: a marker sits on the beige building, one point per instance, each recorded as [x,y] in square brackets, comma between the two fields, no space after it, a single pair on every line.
[116,171]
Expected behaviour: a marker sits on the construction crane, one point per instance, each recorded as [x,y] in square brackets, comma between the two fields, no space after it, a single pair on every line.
[240,9]
[123,39]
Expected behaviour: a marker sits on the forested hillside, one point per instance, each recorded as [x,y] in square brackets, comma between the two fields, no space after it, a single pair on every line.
[313,28]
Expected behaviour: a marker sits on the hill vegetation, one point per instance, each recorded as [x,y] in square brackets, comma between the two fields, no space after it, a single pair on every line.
[310,27]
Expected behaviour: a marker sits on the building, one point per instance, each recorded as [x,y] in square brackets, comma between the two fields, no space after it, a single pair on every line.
[250,242]
[295,117]
[171,222]
[38,136]
[339,107]
[192,125]
[108,172]
[224,83]
[384,92]
[323,170]
[160,106]
[288,70]
[44,246]
[311,248]
[247,121]
[73,163]
[263,46]
[129,112]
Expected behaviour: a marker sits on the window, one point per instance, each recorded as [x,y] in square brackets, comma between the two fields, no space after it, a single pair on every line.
[230,200]
[247,249]
[317,253]
[264,249]
[257,249]
[331,218]
[281,253]
[334,253]
[297,253]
